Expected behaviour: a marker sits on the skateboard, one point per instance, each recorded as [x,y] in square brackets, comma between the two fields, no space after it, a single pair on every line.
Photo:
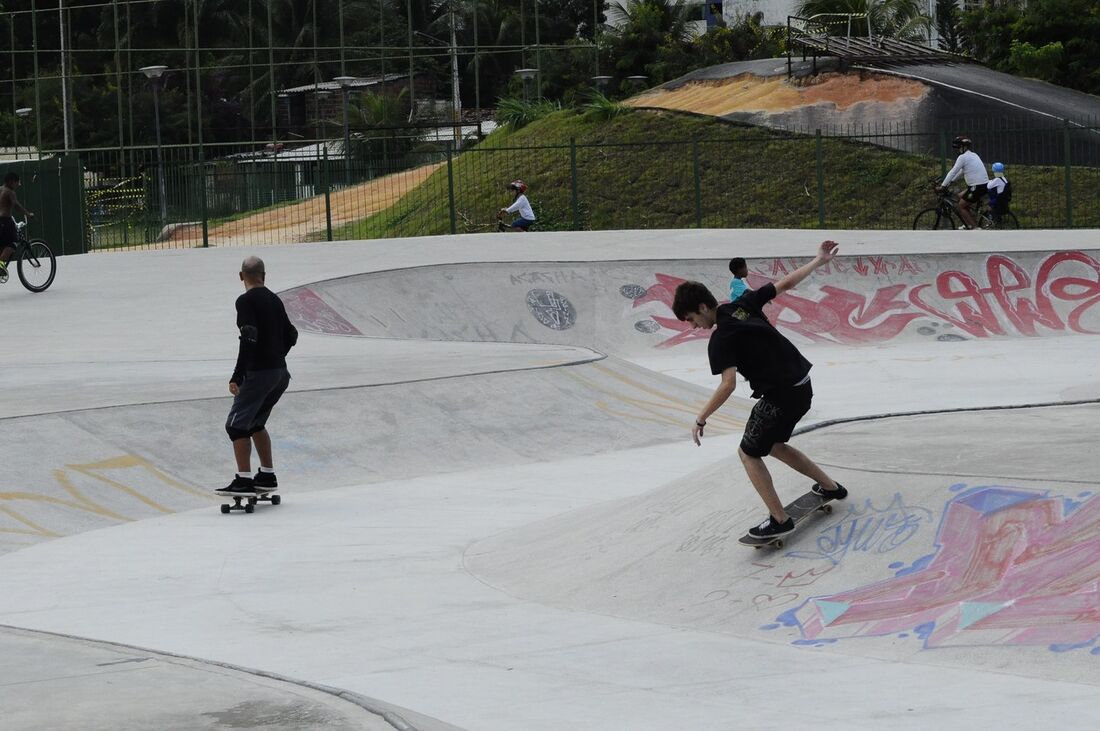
[799,509]
[247,503]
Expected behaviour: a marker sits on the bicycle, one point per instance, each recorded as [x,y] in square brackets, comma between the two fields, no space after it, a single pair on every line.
[34,260]
[945,215]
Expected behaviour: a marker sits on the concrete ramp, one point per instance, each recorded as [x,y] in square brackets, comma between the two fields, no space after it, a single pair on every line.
[94,468]
[906,99]
[625,308]
[946,552]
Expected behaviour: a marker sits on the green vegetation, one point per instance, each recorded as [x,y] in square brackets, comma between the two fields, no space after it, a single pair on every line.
[637,170]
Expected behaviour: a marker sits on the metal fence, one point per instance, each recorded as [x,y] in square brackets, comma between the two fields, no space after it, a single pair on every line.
[869,178]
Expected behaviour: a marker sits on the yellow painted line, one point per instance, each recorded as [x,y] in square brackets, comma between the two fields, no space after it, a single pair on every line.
[36,530]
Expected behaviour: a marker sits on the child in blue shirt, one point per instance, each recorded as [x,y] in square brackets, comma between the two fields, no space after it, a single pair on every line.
[739,269]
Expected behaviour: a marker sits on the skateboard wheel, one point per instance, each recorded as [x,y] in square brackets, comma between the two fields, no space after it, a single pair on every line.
[828,509]
[225,509]
[276,499]
[249,508]
[778,544]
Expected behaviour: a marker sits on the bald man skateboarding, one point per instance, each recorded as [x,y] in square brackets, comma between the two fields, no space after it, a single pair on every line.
[259,380]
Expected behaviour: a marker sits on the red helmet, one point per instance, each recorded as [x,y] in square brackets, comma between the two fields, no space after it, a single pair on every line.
[518,185]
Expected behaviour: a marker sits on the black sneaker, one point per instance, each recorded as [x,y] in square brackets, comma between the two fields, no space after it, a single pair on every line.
[240,487]
[770,528]
[838,494]
[265,482]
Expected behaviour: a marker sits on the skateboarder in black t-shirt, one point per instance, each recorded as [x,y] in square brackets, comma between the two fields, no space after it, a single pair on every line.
[259,379]
[778,374]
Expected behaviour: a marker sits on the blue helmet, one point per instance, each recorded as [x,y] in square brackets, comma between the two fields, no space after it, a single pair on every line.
[998,167]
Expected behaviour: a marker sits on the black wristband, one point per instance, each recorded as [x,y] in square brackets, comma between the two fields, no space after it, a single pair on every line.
[700,424]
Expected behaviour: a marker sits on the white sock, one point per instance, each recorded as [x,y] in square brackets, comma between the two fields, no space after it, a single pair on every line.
[245,474]
[269,470]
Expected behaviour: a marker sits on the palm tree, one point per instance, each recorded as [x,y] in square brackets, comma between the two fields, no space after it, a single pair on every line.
[903,19]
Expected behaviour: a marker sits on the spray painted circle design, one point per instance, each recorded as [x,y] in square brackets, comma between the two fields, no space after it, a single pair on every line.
[632,291]
[646,326]
[551,309]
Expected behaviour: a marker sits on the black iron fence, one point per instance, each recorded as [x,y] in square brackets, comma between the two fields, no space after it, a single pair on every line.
[867,178]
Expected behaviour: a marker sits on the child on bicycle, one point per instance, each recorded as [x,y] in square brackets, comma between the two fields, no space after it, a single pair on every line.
[8,231]
[520,205]
[1000,193]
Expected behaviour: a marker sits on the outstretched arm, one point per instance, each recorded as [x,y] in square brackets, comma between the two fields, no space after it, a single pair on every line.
[825,254]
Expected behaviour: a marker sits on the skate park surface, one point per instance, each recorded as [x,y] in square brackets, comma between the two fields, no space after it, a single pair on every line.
[494,517]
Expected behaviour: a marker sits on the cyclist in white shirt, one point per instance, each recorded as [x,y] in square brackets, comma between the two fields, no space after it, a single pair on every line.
[971,167]
[520,205]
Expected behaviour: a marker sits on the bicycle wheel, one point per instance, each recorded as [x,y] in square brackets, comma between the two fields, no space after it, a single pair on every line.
[37,265]
[932,219]
[1008,220]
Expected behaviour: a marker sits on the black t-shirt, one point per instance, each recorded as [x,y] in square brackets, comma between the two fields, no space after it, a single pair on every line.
[266,333]
[744,339]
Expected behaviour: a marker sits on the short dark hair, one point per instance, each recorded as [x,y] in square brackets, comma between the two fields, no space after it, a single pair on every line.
[689,296]
[11,177]
[737,264]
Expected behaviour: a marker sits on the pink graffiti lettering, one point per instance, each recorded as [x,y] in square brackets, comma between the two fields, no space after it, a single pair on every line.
[1010,301]
[311,313]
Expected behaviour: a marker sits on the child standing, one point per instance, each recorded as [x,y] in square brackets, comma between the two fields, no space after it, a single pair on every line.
[739,269]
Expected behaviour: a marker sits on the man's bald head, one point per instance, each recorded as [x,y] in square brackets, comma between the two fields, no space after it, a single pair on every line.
[252,270]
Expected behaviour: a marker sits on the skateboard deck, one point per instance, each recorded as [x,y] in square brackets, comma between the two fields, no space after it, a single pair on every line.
[247,503]
[799,509]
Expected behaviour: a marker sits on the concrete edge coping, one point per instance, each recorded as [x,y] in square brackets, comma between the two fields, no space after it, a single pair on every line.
[370,705]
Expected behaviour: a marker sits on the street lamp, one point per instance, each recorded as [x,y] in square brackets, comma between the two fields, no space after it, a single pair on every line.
[602,82]
[345,83]
[155,74]
[638,81]
[526,75]
[22,113]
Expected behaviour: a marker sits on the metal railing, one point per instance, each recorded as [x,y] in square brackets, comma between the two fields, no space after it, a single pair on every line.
[872,177]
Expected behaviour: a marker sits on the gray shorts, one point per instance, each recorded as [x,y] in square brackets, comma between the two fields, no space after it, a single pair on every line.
[252,405]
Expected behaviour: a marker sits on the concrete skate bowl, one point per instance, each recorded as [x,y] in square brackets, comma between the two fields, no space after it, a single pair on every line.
[946,553]
[904,107]
[624,307]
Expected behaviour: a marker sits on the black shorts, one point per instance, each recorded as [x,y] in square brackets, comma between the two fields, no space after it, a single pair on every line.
[774,418]
[8,232]
[975,193]
[258,395]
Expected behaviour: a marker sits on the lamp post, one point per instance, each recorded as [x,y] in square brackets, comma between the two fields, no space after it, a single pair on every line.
[345,83]
[526,75]
[155,74]
[601,82]
[22,113]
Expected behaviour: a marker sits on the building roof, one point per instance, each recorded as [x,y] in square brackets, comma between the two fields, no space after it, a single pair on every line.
[359,83]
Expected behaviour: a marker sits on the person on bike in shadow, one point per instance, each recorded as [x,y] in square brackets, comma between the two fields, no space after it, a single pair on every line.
[1000,193]
[971,167]
[520,205]
[8,232]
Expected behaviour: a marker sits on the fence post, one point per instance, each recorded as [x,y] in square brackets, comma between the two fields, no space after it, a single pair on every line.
[328,190]
[573,183]
[696,173]
[202,201]
[943,153]
[820,154]
[1069,175]
[451,185]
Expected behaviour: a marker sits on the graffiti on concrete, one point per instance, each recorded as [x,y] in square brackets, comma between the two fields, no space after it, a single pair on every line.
[551,309]
[1004,298]
[309,312]
[1010,566]
[868,528]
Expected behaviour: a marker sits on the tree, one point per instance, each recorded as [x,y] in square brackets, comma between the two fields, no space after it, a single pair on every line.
[903,19]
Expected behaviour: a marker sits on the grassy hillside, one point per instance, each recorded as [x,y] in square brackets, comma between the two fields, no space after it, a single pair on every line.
[637,171]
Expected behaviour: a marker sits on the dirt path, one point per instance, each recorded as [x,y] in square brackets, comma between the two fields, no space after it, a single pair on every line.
[304,220]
